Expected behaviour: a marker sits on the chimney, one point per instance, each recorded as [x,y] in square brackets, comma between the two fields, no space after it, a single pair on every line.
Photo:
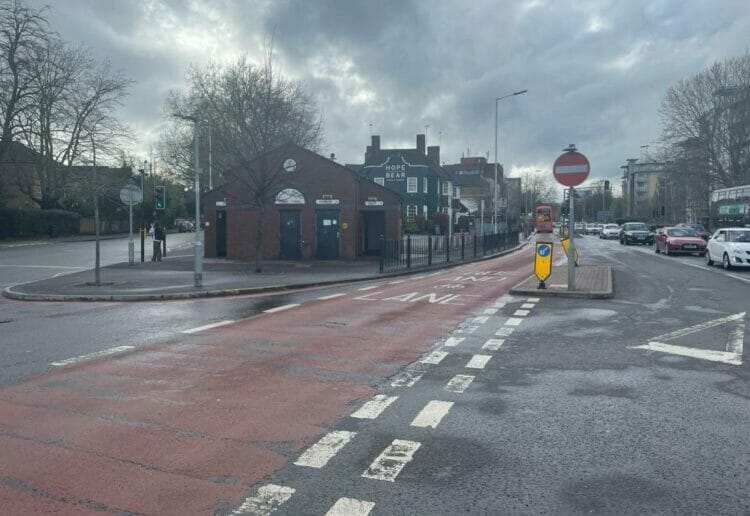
[420,143]
[433,152]
[375,143]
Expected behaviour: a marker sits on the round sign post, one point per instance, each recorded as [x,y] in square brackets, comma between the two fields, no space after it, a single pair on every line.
[571,169]
[130,194]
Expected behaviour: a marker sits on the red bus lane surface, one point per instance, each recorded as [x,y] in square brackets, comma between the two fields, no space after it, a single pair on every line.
[187,428]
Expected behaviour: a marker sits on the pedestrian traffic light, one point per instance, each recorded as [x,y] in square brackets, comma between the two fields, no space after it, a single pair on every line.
[606,185]
[160,198]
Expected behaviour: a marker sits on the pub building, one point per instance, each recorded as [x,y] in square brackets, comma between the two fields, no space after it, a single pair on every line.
[321,210]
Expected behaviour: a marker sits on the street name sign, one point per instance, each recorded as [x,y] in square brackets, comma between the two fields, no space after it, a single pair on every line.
[571,168]
[543,262]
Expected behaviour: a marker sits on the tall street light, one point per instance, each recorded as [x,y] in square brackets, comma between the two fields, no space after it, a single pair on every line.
[494,197]
[197,245]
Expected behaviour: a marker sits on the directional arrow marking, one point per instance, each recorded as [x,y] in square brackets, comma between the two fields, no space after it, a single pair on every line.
[732,355]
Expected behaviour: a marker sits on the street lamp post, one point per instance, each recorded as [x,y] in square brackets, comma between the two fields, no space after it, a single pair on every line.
[494,196]
[197,245]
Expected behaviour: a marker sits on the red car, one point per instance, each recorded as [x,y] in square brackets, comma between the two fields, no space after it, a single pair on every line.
[699,229]
[681,239]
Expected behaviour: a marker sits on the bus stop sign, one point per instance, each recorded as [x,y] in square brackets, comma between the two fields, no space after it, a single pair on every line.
[571,169]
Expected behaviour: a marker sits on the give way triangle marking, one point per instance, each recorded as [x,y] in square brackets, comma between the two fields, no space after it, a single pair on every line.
[732,355]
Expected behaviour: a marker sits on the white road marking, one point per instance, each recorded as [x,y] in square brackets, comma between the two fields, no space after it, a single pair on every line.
[704,354]
[407,379]
[480,320]
[208,326]
[490,311]
[459,383]
[389,464]
[91,356]
[528,306]
[493,344]
[280,308]
[367,288]
[41,267]
[434,358]
[396,282]
[504,332]
[269,498]
[533,300]
[699,327]
[467,329]
[332,296]
[521,313]
[454,341]
[478,361]
[350,507]
[374,407]
[318,455]
[746,280]
[513,321]
[432,414]
[499,305]
[419,277]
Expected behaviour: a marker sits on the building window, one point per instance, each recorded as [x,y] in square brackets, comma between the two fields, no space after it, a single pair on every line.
[424,185]
[446,187]
[290,196]
[380,181]
[411,212]
[424,210]
[445,210]
[411,185]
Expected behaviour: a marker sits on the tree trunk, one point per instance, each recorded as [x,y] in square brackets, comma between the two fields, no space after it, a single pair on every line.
[259,238]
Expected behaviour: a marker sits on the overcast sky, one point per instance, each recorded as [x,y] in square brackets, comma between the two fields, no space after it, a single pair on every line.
[595,71]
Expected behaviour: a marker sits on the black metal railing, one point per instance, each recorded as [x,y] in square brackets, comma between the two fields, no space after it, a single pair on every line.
[415,251]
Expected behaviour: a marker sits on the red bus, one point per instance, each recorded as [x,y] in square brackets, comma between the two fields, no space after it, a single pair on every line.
[543,219]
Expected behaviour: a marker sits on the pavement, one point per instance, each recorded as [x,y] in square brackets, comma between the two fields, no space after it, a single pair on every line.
[592,281]
[173,279]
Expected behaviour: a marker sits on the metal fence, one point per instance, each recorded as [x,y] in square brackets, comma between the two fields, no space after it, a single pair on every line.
[413,251]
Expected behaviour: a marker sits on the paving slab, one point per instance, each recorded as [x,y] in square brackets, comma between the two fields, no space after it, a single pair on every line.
[592,281]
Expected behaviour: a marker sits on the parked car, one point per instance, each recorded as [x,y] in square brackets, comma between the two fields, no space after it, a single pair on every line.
[730,246]
[680,239]
[610,231]
[184,225]
[699,229]
[635,233]
[580,227]
[592,228]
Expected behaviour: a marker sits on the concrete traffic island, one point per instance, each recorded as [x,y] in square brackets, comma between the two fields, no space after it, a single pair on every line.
[592,282]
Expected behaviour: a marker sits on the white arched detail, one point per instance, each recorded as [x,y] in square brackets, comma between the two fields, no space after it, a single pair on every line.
[290,196]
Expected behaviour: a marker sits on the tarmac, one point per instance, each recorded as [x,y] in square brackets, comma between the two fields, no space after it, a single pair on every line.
[173,279]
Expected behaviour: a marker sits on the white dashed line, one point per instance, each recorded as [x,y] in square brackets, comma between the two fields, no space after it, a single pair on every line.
[478,361]
[330,297]
[521,313]
[407,379]
[318,455]
[208,326]
[350,507]
[532,300]
[434,358]
[499,305]
[490,311]
[432,414]
[269,498]
[459,383]
[374,407]
[513,321]
[367,288]
[454,341]
[90,356]
[396,282]
[280,308]
[493,344]
[393,459]
[480,320]
[504,332]
[528,306]
[419,277]
[467,329]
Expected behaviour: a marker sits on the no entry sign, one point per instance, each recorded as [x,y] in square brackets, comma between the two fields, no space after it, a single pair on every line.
[571,168]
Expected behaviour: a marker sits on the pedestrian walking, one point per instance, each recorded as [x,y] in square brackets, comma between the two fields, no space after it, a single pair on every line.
[158,237]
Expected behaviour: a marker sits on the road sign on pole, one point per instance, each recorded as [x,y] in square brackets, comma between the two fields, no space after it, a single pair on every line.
[131,195]
[571,168]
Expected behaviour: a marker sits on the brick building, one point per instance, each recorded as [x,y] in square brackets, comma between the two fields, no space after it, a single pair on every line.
[322,210]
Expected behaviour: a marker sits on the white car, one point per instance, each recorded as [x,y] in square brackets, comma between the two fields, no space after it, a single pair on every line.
[610,231]
[730,246]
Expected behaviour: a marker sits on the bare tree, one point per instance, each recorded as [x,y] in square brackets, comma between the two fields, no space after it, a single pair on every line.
[252,110]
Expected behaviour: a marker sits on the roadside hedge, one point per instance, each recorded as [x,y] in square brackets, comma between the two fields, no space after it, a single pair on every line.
[16,223]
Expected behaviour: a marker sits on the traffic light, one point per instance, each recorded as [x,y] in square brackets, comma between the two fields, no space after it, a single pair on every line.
[606,185]
[160,198]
